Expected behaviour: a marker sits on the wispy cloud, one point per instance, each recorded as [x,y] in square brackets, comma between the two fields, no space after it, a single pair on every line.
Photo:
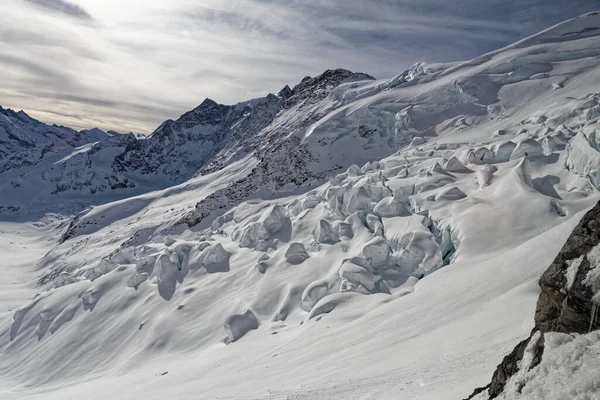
[136,63]
[63,7]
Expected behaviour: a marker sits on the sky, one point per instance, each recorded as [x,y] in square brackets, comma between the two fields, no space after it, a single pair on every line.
[128,65]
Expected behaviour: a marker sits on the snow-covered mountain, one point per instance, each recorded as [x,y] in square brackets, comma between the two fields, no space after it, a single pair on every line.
[345,238]
[24,141]
[205,139]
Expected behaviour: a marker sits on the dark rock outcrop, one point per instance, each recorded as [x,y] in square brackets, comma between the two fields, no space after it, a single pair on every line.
[565,304]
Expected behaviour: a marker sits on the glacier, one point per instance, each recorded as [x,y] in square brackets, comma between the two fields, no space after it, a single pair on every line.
[345,238]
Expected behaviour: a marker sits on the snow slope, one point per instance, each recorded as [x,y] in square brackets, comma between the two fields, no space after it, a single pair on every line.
[408,273]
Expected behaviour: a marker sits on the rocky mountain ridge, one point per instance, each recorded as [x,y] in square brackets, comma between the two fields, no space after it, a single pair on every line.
[202,140]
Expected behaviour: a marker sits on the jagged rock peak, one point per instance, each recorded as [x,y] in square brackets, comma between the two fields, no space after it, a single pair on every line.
[285,93]
[21,115]
[208,112]
[208,102]
[330,77]
[318,88]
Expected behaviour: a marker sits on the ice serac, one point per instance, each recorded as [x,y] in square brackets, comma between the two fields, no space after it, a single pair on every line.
[419,253]
[269,227]
[358,275]
[569,303]
[503,151]
[325,233]
[296,254]
[454,165]
[527,148]
[391,207]
[275,219]
[356,199]
[583,157]
[485,174]
[212,258]
[376,252]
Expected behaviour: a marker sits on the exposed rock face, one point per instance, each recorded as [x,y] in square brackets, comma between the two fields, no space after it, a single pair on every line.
[286,164]
[568,301]
[565,304]
[178,149]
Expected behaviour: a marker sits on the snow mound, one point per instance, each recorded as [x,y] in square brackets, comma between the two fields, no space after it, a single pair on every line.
[484,175]
[329,303]
[451,194]
[238,325]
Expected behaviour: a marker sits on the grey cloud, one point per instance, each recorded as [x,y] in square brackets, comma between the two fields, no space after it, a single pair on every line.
[150,64]
[63,7]
[225,20]
[36,70]
[16,37]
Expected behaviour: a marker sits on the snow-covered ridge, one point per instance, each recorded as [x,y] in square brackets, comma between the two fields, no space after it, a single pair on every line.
[24,141]
[374,238]
[202,140]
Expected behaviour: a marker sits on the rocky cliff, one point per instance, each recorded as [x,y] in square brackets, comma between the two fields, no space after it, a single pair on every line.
[568,303]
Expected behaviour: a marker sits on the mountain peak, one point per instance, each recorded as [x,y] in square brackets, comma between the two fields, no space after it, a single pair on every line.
[94,133]
[207,103]
[9,112]
[285,93]
[318,87]
[331,77]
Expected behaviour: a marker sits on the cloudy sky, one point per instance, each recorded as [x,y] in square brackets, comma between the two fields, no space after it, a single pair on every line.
[130,64]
